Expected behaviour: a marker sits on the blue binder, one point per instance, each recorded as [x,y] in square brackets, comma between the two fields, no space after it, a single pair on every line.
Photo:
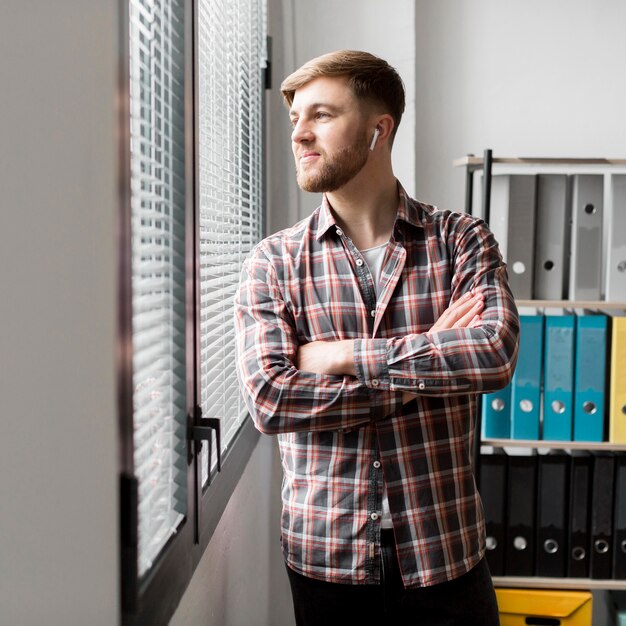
[496,414]
[526,383]
[558,378]
[590,377]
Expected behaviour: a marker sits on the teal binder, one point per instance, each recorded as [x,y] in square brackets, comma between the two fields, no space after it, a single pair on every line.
[590,377]
[526,383]
[496,414]
[558,378]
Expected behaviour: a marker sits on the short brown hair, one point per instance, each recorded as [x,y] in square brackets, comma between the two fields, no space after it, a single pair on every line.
[370,78]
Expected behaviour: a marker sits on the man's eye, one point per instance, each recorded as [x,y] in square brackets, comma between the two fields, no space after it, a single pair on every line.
[322,114]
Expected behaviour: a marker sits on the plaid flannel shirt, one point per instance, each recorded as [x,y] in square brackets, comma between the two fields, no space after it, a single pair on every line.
[341,436]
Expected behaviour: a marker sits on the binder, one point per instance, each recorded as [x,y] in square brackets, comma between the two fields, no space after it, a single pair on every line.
[552,247]
[492,489]
[619,522]
[496,414]
[616,252]
[558,396]
[601,561]
[586,237]
[519,555]
[552,514]
[526,382]
[579,526]
[512,221]
[590,377]
[617,392]
[520,607]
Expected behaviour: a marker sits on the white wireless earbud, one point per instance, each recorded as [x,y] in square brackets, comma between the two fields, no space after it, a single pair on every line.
[374,138]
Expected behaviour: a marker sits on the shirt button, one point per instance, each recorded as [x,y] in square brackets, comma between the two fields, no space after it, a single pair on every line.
[359,262]
[373,313]
[376,464]
[339,231]
[374,382]
[374,516]
[421,385]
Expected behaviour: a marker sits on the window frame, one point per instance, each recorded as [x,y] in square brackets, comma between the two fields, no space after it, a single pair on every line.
[153,598]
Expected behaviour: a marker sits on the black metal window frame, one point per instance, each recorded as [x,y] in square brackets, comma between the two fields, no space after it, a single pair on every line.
[153,598]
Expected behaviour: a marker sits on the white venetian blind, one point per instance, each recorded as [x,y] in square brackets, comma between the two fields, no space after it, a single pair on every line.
[158,269]
[231,58]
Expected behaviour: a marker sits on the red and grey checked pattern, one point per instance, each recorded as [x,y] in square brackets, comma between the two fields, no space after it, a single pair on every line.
[339,435]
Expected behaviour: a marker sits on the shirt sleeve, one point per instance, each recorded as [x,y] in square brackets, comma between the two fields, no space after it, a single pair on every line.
[279,397]
[457,361]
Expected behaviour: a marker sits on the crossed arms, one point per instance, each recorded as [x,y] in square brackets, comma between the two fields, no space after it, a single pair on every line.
[339,385]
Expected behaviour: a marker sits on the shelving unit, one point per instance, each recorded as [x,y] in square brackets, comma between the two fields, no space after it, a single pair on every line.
[485,163]
[554,445]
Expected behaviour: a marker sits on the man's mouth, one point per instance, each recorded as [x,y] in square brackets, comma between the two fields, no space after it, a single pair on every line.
[308,156]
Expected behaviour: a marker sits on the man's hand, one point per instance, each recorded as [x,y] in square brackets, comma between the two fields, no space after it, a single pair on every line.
[463,313]
[327,357]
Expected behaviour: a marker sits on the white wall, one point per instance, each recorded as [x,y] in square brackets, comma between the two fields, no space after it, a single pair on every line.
[58,449]
[309,29]
[530,78]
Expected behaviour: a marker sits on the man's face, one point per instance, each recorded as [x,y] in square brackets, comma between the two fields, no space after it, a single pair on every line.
[329,139]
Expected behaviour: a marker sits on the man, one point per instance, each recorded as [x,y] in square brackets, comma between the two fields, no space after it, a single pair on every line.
[365,333]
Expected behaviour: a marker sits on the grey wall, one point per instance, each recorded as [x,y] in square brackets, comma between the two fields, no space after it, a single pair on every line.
[530,78]
[241,580]
[58,449]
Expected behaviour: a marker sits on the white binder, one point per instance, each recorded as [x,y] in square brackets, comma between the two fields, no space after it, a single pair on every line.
[586,257]
[552,237]
[512,221]
[616,253]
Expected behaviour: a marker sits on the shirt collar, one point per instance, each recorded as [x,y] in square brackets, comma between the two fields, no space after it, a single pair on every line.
[409,211]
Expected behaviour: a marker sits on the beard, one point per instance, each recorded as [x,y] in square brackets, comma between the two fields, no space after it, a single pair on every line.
[335,170]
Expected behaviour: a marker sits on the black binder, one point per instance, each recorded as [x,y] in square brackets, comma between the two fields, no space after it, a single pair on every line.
[552,513]
[619,529]
[519,556]
[601,563]
[579,534]
[492,488]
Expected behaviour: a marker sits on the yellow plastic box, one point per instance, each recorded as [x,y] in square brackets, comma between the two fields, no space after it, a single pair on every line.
[518,607]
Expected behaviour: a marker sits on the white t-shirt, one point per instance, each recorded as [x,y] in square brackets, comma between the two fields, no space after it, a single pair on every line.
[374,258]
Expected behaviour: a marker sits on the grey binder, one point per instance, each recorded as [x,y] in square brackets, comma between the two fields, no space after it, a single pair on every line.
[553,237]
[512,221]
[586,257]
[616,253]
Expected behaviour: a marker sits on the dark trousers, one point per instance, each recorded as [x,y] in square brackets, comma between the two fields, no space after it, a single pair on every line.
[469,600]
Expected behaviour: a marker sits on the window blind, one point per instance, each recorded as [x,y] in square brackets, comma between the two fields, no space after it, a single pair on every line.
[157,136]
[231,58]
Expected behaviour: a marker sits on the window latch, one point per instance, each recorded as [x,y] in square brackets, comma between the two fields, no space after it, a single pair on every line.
[202,429]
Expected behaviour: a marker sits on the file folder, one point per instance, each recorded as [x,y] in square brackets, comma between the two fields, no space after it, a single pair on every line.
[512,221]
[521,607]
[586,238]
[579,526]
[617,393]
[519,556]
[590,377]
[526,382]
[552,514]
[619,524]
[496,414]
[616,252]
[552,249]
[493,490]
[558,396]
[601,562]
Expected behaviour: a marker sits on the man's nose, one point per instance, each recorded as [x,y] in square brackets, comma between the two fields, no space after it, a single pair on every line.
[301,132]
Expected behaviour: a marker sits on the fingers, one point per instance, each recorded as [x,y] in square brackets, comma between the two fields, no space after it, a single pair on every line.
[461,313]
[471,315]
